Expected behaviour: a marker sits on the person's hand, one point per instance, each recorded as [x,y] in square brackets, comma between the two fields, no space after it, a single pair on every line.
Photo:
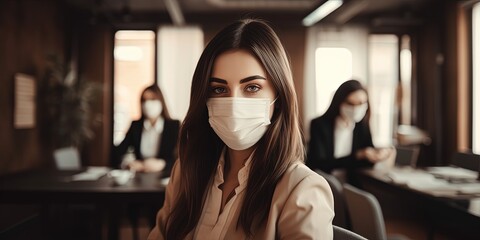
[136,166]
[388,159]
[154,165]
[374,155]
[384,153]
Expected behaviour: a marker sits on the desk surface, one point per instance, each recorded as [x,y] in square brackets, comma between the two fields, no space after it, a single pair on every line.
[54,186]
[450,213]
[447,193]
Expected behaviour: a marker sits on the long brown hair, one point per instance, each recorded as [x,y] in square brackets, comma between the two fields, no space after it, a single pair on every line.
[200,147]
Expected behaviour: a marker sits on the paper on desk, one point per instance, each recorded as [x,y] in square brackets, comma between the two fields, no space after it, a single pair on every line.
[406,176]
[426,182]
[453,172]
[471,188]
[164,181]
[422,181]
[91,174]
[434,185]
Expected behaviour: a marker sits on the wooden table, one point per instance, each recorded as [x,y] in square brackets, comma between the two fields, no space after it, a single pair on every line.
[54,187]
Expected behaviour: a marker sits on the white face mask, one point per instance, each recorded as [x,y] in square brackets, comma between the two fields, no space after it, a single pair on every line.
[152,108]
[239,122]
[354,113]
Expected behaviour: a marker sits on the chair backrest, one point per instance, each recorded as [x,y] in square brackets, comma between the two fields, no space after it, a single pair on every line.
[466,160]
[407,156]
[366,216]
[340,233]
[340,207]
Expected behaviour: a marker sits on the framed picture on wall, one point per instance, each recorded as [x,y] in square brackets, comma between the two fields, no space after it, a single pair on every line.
[25,105]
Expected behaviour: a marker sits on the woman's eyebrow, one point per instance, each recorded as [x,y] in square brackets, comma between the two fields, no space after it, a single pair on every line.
[219,80]
[254,77]
[244,80]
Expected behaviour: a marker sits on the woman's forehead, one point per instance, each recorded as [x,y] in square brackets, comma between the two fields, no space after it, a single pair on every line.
[357,96]
[237,64]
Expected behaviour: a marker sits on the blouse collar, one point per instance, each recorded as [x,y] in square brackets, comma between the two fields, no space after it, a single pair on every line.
[158,126]
[242,173]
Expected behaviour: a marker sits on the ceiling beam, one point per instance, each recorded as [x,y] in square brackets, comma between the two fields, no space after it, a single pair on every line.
[350,10]
[265,4]
[175,12]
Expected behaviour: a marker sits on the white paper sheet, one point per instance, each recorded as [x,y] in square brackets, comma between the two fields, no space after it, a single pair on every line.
[453,172]
[91,174]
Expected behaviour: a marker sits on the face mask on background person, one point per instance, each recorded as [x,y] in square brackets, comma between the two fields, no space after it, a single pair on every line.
[152,108]
[239,122]
[354,113]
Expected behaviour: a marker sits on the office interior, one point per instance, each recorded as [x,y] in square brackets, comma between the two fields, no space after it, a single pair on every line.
[418,58]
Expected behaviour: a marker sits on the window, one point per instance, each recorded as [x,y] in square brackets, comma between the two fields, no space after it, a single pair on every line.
[134,69]
[405,91]
[476,79]
[179,49]
[333,66]
[382,83]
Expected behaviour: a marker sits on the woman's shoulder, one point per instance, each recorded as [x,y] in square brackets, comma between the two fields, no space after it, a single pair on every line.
[301,185]
[136,124]
[173,122]
[298,172]
[138,121]
[322,120]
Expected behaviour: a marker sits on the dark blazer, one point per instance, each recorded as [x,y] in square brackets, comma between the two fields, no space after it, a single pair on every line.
[167,146]
[320,148]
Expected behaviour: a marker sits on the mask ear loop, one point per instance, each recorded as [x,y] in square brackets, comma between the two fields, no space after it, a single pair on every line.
[274,100]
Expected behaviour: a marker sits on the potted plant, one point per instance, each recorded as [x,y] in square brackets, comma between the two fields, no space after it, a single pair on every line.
[69,102]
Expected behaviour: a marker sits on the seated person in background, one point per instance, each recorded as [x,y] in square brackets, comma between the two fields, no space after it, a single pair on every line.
[341,138]
[153,137]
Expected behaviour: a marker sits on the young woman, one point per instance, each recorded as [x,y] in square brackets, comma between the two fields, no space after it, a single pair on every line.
[153,137]
[240,172]
[341,138]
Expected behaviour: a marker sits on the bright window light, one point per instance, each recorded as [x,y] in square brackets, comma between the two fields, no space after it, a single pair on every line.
[128,53]
[382,83]
[406,81]
[333,66]
[476,78]
[134,69]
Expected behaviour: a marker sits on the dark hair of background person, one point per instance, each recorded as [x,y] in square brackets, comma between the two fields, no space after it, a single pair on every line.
[200,148]
[156,90]
[339,97]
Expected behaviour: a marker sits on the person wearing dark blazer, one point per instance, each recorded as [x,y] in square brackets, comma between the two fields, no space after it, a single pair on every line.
[153,142]
[341,138]
[152,138]
[166,147]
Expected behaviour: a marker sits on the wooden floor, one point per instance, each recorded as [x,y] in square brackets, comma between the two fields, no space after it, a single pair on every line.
[412,230]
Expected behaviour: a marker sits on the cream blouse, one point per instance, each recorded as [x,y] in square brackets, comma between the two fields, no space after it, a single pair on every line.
[301,208]
[213,225]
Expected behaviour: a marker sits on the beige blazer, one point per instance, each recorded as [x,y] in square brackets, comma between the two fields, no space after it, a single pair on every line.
[302,208]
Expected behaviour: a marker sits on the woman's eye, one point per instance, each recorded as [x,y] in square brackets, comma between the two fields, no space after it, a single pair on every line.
[252,88]
[218,90]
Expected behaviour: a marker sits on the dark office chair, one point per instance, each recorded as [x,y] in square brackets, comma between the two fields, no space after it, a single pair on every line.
[466,160]
[340,233]
[340,207]
[407,156]
[366,215]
